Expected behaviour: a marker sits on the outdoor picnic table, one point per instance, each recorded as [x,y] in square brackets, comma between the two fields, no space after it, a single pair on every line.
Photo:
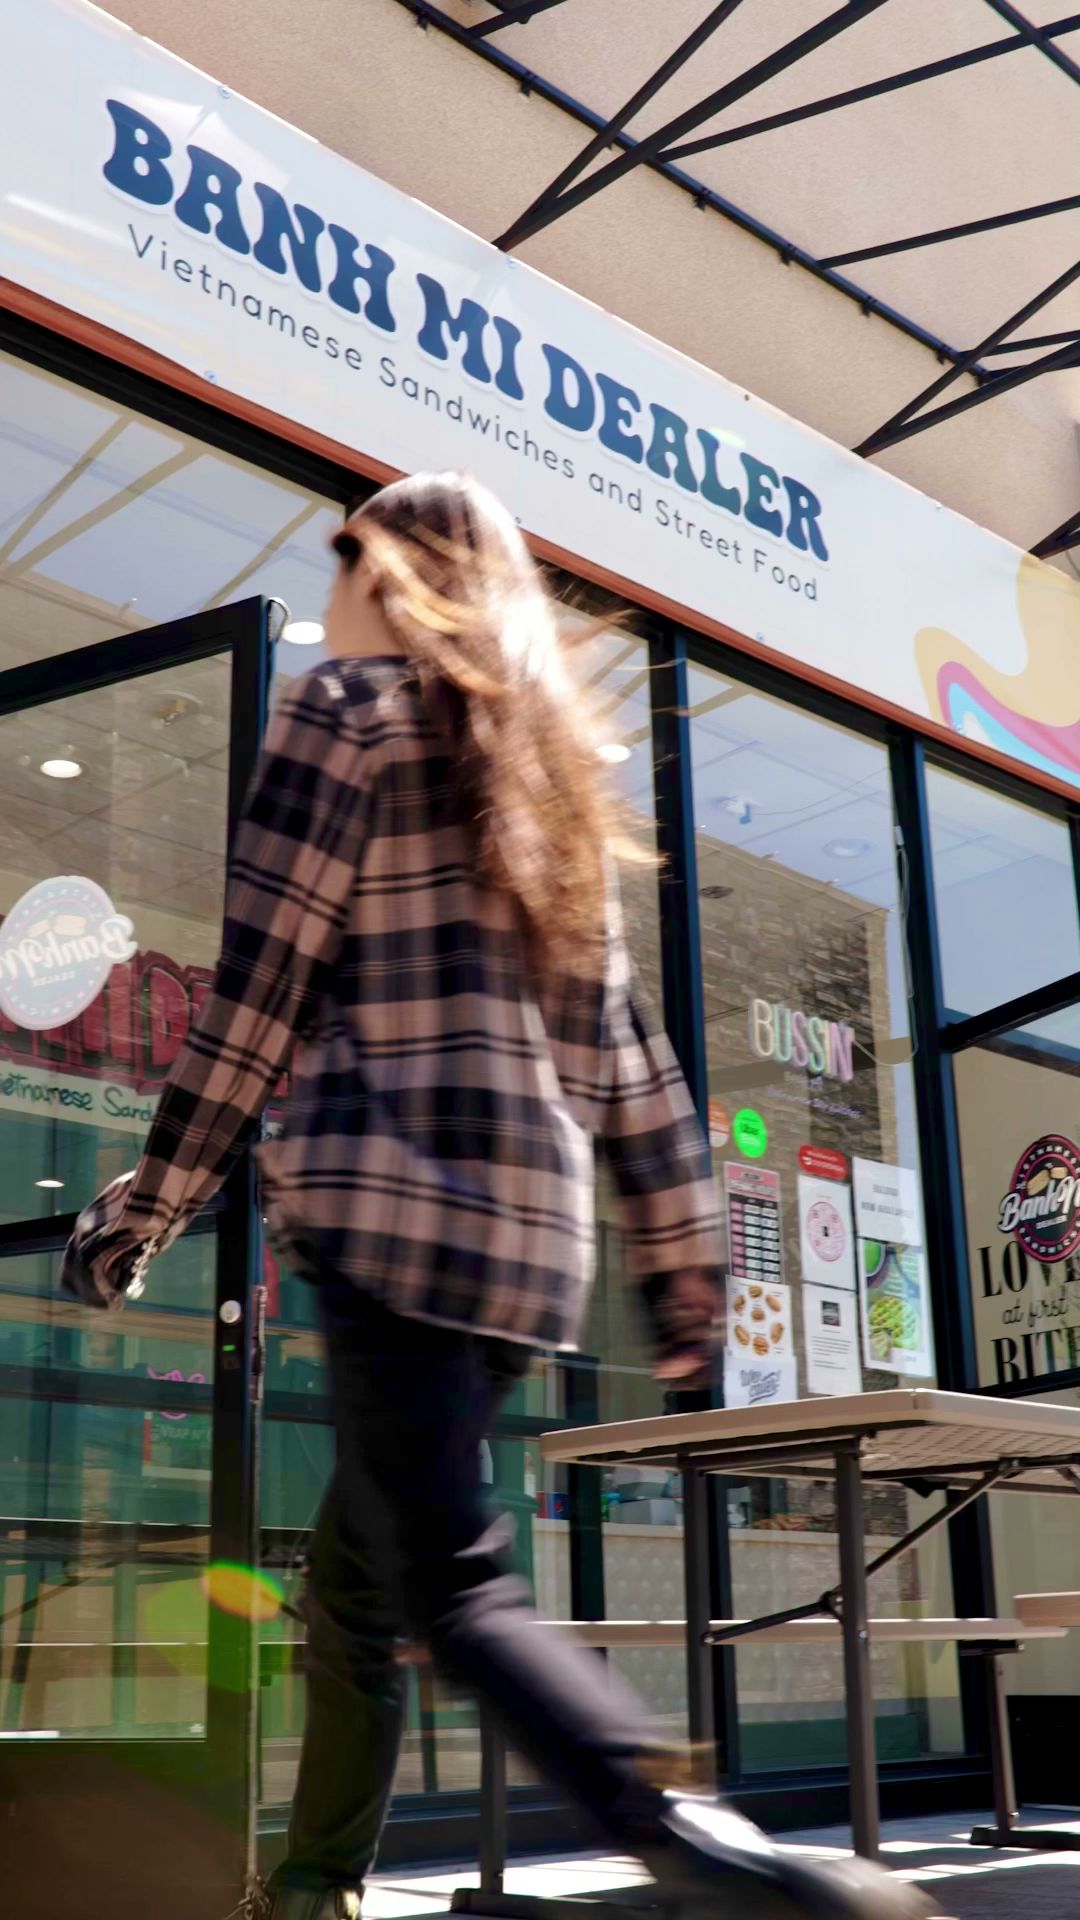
[963,1446]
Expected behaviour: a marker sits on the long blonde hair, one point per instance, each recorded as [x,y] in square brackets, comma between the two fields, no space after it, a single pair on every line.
[462,596]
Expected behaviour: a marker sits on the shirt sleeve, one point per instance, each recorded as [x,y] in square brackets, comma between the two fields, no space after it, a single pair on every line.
[294,864]
[652,1140]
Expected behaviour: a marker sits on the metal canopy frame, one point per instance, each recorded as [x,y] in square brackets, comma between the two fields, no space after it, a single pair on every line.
[666,148]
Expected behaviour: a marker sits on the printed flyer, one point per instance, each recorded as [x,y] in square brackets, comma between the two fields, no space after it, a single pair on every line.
[830,1321]
[895,1307]
[759,1320]
[887,1203]
[826,1239]
[755,1238]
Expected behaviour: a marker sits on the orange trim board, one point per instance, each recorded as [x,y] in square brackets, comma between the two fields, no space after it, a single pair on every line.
[130,353]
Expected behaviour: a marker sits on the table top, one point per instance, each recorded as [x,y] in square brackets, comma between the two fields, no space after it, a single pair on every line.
[905,1433]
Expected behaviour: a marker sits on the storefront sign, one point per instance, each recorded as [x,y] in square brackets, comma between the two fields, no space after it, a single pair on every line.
[42,1091]
[823,1163]
[754,1383]
[58,946]
[1027,1303]
[138,193]
[802,1040]
[130,1032]
[1042,1207]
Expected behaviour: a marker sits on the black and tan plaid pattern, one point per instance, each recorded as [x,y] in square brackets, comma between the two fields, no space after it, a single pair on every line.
[438,1146]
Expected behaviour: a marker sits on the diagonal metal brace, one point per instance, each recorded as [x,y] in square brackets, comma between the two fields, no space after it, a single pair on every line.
[831,1602]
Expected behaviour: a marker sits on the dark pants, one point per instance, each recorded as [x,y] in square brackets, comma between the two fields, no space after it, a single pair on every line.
[406,1546]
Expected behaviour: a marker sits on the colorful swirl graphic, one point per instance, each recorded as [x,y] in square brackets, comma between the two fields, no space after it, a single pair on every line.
[1034,715]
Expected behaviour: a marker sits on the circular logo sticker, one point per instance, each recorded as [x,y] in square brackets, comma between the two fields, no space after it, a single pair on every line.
[825,1230]
[58,945]
[719,1124]
[750,1133]
[1042,1207]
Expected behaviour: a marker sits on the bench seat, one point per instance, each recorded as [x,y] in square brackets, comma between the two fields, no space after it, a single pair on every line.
[1049,1609]
[818,1628]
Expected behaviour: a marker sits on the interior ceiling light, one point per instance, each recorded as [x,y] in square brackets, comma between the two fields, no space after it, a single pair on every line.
[303,633]
[61,768]
[614,751]
[49,1186]
[847,849]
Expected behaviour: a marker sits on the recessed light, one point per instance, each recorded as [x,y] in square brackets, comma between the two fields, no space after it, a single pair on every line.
[614,752]
[49,1186]
[61,768]
[303,633]
[847,849]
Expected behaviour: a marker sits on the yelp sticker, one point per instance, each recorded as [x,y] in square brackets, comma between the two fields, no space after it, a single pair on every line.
[58,945]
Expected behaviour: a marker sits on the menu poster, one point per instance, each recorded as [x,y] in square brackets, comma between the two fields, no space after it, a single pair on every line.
[831,1326]
[759,1320]
[895,1307]
[755,1239]
[887,1203]
[753,1383]
[826,1240]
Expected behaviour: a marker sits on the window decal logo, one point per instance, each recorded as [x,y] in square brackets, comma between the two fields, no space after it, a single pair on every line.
[58,945]
[1042,1207]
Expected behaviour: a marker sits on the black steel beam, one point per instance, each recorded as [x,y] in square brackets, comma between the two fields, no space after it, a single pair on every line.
[1004,383]
[654,144]
[1035,340]
[894,427]
[956,1035]
[872,90]
[606,134]
[939,235]
[426,15]
[1061,540]
[1040,37]
[511,17]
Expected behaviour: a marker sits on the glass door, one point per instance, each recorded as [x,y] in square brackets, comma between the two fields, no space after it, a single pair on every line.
[127,1442]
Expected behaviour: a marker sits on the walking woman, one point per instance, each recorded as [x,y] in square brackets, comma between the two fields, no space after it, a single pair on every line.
[423,926]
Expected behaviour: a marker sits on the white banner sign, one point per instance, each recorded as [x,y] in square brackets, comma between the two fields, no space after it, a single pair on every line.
[137,192]
[52,1093]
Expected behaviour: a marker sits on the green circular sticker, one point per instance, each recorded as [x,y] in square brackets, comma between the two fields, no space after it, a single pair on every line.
[750,1133]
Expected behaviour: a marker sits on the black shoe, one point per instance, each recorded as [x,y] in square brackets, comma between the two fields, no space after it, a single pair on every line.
[300,1903]
[704,1848]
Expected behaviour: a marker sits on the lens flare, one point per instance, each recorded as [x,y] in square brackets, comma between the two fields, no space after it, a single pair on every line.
[244,1591]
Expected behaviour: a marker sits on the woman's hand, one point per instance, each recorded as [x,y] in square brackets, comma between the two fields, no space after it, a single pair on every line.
[101,1255]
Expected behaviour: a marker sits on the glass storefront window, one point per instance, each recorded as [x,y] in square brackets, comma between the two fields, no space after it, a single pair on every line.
[136,826]
[1018,1102]
[1037,1550]
[110,522]
[812,1123]
[812,1116]
[104,1506]
[1001,870]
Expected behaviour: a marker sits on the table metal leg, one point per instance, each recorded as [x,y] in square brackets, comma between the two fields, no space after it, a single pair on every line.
[862,1755]
[699,1657]
[492,1804]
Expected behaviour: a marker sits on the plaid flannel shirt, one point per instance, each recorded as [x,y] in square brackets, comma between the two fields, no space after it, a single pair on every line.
[438,1145]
